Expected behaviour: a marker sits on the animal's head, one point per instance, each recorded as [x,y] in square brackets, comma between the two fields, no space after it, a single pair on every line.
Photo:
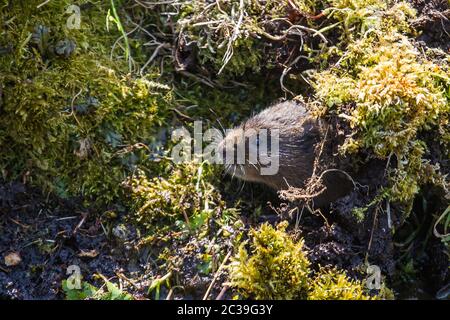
[266,147]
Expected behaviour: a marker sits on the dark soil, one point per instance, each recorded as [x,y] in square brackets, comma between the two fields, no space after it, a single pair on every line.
[433,23]
[50,235]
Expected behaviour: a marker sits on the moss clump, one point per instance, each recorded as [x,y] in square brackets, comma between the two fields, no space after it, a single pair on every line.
[72,119]
[278,268]
[184,195]
[389,94]
[332,284]
[359,16]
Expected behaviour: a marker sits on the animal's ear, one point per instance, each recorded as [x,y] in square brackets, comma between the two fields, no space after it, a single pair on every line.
[338,184]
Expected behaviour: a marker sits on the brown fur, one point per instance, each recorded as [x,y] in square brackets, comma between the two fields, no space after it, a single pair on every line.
[300,134]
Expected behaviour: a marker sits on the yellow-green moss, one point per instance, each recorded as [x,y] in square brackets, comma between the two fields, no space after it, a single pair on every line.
[389,93]
[184,195]
[332,284]
[360,16]
[277,267]
[67,121]
[237,36]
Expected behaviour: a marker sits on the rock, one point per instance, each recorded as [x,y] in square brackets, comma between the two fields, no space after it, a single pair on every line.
[12,259]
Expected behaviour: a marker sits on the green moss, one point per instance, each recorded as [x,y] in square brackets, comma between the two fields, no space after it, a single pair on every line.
[69,123]
[357,17]
[332,284]
[184,196]
[277,267]
[389,94]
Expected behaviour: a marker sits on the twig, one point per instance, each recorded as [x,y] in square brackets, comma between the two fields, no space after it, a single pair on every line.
[20,224]
[42,4]
[181,114]
[306,15]
[201,79]
[435,232]
[4,270]
[153,56]
[123,277]
[222,292]
[84,216]
[286,71]
[369,246]
[216,275]
[388,211]
[288,32]
[229,52]
[170,294]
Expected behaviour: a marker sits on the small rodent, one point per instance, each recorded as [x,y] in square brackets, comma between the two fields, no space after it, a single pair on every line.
[299,134]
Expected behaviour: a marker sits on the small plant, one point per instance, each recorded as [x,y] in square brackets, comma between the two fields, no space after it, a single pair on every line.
[157,283]
[90,292]
[234,36]
[224,32]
